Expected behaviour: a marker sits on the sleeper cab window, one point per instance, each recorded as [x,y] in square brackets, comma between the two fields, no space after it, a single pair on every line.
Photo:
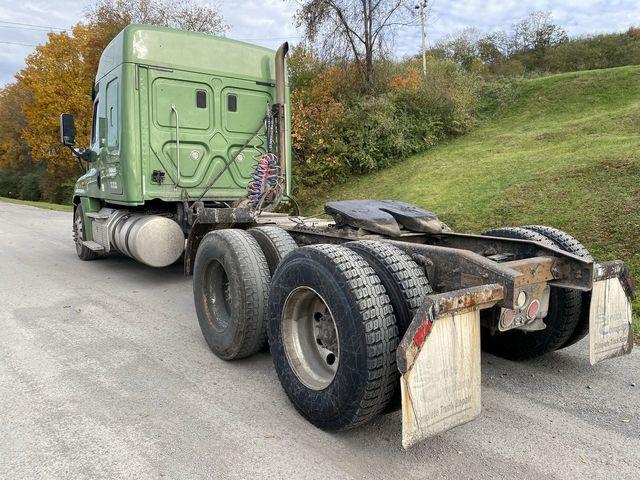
[232,102]
[201,99]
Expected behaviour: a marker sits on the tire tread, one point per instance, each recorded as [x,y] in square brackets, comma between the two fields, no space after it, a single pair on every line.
[381,331]
[255,278]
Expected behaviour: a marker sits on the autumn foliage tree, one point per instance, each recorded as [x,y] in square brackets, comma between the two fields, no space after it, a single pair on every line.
[58,80]
[58,77]
[14,152]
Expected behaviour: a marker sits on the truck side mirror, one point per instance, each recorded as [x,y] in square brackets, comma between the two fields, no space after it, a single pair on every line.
[67,130]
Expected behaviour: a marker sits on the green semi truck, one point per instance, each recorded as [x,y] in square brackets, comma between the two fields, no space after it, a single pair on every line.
[376,305]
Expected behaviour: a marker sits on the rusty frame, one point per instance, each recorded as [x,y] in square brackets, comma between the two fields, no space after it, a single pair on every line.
[452,261]
[436,306]
[570,270]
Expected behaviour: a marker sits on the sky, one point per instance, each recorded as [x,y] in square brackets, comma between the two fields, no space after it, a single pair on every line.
[25,24]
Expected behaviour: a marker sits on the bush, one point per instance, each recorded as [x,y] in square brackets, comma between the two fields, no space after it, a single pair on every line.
[590,53]
[340,129]
[536,46]
[9,184]
[30,187]
[57,191]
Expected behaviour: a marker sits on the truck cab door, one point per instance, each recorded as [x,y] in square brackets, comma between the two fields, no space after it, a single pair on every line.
[111,171]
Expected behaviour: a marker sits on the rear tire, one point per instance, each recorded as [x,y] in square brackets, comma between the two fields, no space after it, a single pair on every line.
[275,244]
[566,242]
[561,320]
[403,279]
[80,234]
[230,289]
[405,283]
[365,341]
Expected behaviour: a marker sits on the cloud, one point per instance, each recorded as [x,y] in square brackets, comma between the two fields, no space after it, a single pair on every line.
[265,22]
[578,17]
[59,15]
[270,22]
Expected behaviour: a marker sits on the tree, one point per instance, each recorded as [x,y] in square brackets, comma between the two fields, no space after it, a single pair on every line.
[492,48]
[14,151]
[59,75]
[182,14]
[58,81]
[536,32]
[461,47]
[360,29]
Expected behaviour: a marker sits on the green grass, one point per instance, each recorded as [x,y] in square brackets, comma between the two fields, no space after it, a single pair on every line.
[49,206]
[564,153]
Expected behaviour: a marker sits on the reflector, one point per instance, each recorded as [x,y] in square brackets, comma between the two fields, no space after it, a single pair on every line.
[532,311]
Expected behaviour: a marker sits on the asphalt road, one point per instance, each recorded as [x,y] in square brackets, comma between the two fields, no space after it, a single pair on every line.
[104,374]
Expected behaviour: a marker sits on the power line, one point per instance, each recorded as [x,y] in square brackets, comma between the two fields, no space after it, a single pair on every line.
[38,27]
[32,29]
[48,27]
[44,27]
[17,43]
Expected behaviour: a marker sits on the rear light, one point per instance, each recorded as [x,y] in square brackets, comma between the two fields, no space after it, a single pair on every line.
[507,318]
[533,309]
[521,300]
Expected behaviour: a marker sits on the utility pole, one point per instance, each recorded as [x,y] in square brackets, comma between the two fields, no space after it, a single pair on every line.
[421,6]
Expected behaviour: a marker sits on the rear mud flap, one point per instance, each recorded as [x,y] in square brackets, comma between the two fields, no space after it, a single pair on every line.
[439,359]
[610,320]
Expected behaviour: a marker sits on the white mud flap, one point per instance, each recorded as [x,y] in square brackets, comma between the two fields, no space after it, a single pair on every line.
[610,321]
[439,359]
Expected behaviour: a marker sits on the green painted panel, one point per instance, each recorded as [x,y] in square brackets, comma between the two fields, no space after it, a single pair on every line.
[188,51]
[168,92]
[143,72]
[251,107]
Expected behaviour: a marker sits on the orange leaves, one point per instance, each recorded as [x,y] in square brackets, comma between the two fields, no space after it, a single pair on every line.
[409,80]
[13,151]
[58,81]
[58,78]
[315,113]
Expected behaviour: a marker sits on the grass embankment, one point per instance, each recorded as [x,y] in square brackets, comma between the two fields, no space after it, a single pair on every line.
[565,153]
[48,206]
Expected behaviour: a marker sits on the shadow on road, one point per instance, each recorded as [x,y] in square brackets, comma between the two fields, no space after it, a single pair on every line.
[133,270]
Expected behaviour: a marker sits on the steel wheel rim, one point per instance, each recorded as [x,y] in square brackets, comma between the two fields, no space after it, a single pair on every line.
[310,338]
[217,294]
[78,233]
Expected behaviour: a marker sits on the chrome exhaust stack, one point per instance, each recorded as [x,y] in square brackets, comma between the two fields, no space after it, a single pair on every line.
[280,108]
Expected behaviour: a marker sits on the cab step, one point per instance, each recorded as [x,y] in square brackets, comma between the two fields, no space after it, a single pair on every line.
[93,246]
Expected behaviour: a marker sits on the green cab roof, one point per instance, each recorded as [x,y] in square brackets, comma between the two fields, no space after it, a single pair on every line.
[190,51]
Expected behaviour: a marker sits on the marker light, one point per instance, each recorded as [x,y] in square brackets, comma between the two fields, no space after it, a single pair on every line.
[533,309]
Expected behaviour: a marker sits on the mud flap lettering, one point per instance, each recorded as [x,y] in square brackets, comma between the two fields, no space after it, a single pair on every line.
[610,327]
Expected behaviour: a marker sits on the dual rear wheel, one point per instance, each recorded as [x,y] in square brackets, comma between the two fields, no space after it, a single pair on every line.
[567,320]
[333,314]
